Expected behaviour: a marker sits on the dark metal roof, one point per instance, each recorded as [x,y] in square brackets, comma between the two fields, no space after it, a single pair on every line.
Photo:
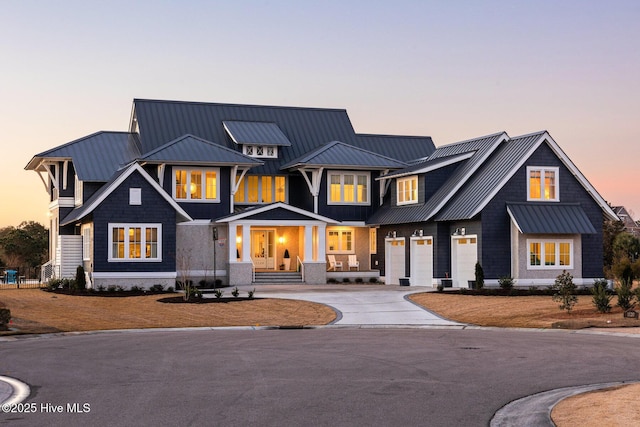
[481,147]
[306,128]
[95,157]
[550,218]
[478,191]
[193,150]
[429,165]
[257,133]
[339,154]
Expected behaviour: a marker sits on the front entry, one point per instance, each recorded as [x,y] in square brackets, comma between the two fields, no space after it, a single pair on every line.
[263,249]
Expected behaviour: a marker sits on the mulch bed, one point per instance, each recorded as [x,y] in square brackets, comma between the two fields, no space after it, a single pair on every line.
[181,300]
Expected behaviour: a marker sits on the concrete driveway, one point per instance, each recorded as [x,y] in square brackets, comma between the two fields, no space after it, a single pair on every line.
[359,304]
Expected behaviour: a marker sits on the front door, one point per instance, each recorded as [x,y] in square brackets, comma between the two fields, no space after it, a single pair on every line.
[263,249]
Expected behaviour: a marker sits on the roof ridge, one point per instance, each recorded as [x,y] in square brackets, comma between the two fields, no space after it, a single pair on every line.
[527,135]
[466,141]
[386,135]
[168,101]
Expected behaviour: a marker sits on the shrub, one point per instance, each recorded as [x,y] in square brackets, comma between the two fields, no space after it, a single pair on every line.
[625,296]
[159,287]
[5,318]
[359,280]
[346,280]
[479,276]
[601,298]
[440,287]
[250,293]
[506,282]
[373,280]
[54,284]
[332,280]
[111,289]
[564,291]
[101,288]
[217,293]
[235,292]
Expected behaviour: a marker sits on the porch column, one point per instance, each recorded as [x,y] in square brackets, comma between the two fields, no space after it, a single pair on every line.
[232,242]
[322,242]
[308,243]
[246,243]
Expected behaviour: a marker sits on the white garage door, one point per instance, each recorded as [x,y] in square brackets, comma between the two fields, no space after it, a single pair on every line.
[393,261]
[464,255]
[422,261]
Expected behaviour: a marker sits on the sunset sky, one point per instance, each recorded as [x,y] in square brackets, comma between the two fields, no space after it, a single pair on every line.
[452,70]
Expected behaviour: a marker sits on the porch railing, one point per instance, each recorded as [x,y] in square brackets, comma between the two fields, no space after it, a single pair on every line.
[300,267]
[253,271]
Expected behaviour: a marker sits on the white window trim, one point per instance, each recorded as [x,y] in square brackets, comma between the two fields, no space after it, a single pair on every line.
[245,185]
[126,226]
[542,170]
[403,180]
[557,243]
[77,192]
[341,231]
[355,174]
[265,151]
[203,171]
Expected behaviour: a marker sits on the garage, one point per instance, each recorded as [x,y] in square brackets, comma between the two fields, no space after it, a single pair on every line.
[394,260]
[421,261]
[464,255]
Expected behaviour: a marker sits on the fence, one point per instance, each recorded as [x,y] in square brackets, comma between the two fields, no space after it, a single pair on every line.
[20,278]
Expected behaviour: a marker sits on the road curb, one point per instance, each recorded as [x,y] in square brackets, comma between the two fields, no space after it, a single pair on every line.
[19,392]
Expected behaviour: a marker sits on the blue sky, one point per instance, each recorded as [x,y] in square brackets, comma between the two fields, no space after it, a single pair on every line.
[449,69]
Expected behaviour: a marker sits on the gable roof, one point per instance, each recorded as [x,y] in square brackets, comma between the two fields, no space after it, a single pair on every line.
[95,157]
[259,133]
[190,149]
[256,211]
[340,155]
[117,179]
[426,165]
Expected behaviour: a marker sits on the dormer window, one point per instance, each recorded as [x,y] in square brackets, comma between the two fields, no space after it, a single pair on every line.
[268,151]
[407,190]
[542,184]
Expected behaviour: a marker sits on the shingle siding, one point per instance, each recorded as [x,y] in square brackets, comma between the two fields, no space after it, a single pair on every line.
[116,209]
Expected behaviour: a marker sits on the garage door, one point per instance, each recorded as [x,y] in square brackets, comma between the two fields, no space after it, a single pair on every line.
[394,261]
[464,255]
[422,261]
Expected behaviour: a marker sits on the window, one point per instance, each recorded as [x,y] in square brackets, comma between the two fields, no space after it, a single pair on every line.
[86,242]
[261,189]
[407,190]
[135,242]
[135,196]
[373,236]
[350,188]
[196,184]
[260,150]
[340,241]
[78,193]
[553,254]
[542,184]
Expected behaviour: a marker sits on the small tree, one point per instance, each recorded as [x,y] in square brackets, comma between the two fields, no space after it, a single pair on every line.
[479,276]
[81,281]
[564,291]
[601,299]
[624,292]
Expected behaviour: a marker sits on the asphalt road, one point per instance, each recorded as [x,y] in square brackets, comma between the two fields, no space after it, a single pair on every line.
[316,377]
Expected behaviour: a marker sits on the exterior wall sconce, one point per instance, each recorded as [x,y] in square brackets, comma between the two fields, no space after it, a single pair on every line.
[281,240]
[239,239]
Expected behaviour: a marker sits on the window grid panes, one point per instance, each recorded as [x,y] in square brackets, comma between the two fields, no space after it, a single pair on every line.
[196,184]
[135,242]
[543,183]
[340,241]
[407,190]
[261,189]
[550,254]
[348,188]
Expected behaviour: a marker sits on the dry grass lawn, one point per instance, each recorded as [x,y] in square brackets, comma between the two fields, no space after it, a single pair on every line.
[521,311]
[37,311]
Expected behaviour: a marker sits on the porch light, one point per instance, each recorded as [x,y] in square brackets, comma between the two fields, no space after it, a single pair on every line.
[239,239]
[281,240]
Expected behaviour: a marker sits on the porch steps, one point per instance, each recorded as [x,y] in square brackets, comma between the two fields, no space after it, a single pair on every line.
[277,277]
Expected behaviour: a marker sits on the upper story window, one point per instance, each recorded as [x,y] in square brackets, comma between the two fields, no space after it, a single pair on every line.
[550,254]
[135,242]
[349,188]
[196,185]
[407,190]
[78,194]
[270,151]
[542,183]
[261,189]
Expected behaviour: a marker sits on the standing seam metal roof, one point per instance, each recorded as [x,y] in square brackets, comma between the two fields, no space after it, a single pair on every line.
[550,218]
[260,133]
[338,153]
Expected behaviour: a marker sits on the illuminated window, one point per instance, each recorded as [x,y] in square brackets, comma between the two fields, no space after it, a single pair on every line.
[134,242]
[340,241]
[373,235]
[261,189]
[553,254]
[542,183]
[407,190]
[200,185]
[350,188]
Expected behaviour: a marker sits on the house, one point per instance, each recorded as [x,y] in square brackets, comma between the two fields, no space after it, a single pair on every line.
[516,205]
[206,190]
[630,226]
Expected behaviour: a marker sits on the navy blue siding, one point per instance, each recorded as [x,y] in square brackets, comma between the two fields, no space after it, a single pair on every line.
[348,212]
[116,209]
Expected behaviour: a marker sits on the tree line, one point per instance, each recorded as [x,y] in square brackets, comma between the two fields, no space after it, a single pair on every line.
[24,247]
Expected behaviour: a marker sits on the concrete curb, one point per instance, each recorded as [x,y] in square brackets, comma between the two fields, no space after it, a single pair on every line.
[19,391]
[535,410]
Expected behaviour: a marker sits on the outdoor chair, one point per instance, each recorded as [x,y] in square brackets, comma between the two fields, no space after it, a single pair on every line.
[333,264]
[353,262]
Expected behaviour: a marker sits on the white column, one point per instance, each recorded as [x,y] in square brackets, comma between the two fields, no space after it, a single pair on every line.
[308,243]
[232,242]
[322,242]
[246,243]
